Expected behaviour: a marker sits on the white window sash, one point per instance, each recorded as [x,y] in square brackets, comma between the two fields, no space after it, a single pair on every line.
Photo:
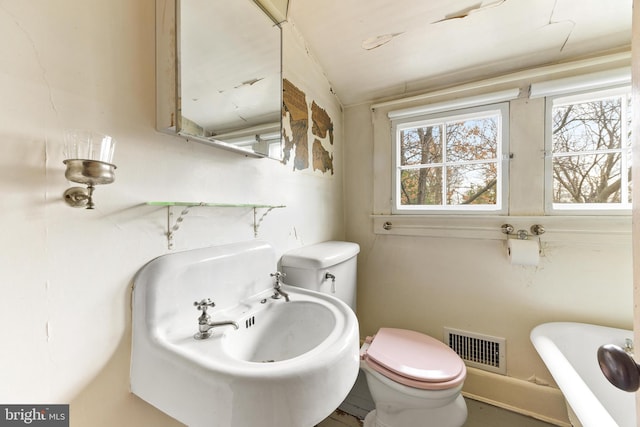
[502,159]
[553,208]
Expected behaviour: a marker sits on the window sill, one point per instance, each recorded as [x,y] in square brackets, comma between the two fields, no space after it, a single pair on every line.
[586,229]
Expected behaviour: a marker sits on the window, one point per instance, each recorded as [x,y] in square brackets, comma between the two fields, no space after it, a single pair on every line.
[436,156]
[452,161]
[588,167]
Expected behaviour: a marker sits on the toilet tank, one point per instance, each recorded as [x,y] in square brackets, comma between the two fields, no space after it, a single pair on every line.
[315,266]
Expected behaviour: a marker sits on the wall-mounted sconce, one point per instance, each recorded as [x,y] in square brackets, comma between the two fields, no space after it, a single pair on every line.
[88,157]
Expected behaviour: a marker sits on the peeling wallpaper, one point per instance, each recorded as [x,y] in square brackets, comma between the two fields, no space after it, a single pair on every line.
[296,126]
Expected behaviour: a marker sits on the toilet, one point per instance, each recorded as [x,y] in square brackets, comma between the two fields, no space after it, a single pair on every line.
[415,380]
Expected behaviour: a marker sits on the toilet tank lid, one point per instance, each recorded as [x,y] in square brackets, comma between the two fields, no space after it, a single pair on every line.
[320,255]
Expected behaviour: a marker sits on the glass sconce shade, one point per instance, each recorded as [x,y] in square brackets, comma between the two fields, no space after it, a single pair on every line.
[88,157]
[88,145]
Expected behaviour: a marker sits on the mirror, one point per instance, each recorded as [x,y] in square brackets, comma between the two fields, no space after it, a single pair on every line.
[219,74]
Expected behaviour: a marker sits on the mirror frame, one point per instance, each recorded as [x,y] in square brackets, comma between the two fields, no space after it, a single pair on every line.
[168,118]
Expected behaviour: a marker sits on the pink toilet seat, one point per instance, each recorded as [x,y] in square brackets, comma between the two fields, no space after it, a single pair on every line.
[414,359]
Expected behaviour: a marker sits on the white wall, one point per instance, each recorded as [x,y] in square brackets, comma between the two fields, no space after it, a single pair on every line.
[66,273]
[427,283]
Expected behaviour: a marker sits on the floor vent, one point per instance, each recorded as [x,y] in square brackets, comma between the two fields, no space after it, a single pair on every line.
[479,351]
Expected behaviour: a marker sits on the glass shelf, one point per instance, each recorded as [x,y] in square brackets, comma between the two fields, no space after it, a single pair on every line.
[171,229]
[215,205]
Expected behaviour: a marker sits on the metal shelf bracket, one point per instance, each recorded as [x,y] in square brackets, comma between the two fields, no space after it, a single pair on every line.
[173,226]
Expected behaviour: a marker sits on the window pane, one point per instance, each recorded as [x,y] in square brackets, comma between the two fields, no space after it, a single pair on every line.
[472,184]
[422,145]
[444,161]
[421,186]
[591,161]
[587,126]
[475,139]
[587,178]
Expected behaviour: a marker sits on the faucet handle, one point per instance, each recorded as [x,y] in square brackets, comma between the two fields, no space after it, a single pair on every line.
[204,304]
[278,275]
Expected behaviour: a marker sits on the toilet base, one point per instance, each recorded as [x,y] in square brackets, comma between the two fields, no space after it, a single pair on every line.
[370,419]
[452,415]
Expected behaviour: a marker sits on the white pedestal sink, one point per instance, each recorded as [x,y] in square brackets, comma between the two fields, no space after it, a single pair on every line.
[289,364]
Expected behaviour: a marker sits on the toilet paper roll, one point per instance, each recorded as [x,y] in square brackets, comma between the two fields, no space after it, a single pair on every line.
[523,252]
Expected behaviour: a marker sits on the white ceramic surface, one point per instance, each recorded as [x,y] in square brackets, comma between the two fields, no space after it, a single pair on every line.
[282,331]
[570,352]
[290,364]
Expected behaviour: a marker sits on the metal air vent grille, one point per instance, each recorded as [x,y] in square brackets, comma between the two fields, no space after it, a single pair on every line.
[477,350]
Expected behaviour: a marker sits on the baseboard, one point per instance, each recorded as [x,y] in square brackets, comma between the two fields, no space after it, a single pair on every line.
[544,403]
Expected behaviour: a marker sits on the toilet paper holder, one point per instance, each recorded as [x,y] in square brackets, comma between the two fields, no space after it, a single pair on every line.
[535,229]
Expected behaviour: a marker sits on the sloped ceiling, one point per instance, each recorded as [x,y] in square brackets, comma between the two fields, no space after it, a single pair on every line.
[371,49]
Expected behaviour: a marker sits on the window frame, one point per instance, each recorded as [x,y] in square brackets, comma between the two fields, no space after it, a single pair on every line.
[502,161]
[581,209]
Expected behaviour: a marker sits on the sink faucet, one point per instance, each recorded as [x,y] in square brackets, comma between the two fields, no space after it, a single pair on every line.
[204,321]
[277,287]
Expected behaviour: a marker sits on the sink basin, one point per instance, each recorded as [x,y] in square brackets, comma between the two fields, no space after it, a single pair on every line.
[283,331]
[289,364]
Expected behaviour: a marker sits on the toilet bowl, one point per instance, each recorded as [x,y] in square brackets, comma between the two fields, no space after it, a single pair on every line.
[414,379]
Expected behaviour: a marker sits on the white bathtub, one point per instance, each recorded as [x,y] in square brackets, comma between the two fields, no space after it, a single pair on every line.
[570,352]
